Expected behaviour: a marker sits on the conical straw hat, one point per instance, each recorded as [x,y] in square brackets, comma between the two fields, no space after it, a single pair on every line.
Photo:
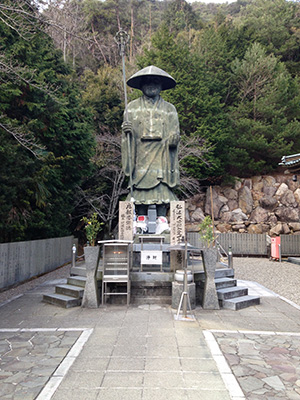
[167,82]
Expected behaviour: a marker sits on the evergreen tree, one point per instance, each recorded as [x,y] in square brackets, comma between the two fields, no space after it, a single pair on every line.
[46,138]
[276,25]
[266,117]
[196,99]
[180,16]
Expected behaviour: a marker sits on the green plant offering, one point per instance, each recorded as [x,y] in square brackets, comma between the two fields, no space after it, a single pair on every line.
[92,228]
[206,231]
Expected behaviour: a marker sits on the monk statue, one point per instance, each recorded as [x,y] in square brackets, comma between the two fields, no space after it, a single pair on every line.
[151,126]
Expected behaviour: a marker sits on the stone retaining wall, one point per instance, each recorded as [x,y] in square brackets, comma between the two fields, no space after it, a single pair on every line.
[21,261]
[262,204]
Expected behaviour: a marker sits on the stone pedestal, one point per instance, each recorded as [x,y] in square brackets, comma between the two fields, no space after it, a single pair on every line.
[91,294]
[210,297]
[177,289]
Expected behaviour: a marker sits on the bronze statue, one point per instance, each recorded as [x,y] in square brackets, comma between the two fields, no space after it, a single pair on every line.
[153,129]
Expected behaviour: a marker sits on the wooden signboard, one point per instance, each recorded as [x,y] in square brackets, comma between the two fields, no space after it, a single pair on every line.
[177,222]
[126,220]
[177,225]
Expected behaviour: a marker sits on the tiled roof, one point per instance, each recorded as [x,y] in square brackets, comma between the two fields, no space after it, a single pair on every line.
[292,162]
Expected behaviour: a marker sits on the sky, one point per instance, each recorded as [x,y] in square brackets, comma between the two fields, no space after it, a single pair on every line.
[218,1]
[215,1]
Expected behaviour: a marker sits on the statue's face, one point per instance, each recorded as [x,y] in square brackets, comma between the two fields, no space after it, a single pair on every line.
[151,86]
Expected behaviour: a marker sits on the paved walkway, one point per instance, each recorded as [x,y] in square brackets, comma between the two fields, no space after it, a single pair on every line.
[142,352]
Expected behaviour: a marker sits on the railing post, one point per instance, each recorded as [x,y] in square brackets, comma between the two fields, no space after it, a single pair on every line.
[230,258]
[279,251]
[73,255]
[218,253]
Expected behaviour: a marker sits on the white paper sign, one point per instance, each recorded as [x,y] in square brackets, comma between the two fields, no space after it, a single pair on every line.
[151,257]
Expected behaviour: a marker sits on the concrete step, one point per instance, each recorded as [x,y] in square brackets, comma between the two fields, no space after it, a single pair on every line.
[224,272]
[162,300]
[61,300]
[151,277]
[78,271]
[225,282]
[294,260]
[81,271]
[70,290]
[231,292]
[220,273]
[77,281]
[240,302]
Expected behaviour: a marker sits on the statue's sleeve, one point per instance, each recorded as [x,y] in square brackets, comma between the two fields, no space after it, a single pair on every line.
[173,143]
[174,132]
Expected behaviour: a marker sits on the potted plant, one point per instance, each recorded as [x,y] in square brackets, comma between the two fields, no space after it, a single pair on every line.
[92,228]
[209,258]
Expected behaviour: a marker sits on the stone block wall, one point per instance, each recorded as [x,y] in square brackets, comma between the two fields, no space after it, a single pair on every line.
[261,204]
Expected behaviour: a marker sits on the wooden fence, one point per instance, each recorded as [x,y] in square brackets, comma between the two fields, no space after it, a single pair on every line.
[20,261]
[246,244]
[290,245]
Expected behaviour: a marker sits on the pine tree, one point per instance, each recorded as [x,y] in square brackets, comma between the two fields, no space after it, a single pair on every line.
[265,120]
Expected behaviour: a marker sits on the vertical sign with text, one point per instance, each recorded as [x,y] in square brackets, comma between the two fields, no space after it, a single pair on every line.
[126,220]
[177,222]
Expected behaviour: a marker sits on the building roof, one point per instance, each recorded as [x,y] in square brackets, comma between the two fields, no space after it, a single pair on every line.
[292,162]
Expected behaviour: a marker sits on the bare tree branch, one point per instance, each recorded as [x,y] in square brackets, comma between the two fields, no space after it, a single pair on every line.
[23,74]
[19,24]
[24,138]
[191,146]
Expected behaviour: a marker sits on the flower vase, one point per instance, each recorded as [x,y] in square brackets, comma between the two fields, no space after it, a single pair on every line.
[91,294]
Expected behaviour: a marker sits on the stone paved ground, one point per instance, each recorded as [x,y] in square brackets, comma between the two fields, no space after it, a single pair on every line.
[29,358]
[267,366]
[142,353]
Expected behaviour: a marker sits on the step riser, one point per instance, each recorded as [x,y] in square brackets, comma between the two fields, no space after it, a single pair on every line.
[219,273]
[76,282]
[81,271]
[160,300]
[77,294]
[232,294]
[151,292]
[222,273]
[61,303]
[223,285]
[227,305]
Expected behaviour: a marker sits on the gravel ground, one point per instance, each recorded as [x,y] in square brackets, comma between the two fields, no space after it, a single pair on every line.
[282,278]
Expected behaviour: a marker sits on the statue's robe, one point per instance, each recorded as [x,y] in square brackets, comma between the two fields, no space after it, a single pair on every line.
[154,150]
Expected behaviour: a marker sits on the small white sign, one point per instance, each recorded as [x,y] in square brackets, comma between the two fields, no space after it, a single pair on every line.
[151,257]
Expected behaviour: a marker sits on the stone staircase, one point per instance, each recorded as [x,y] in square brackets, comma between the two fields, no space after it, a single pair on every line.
[67,295]
[156,288]
[230,296]
[151,288]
